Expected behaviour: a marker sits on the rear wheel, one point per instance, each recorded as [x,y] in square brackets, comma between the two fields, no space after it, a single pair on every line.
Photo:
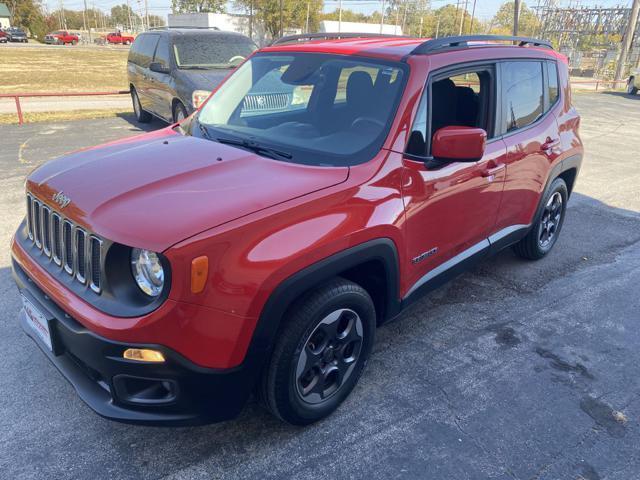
[73,42]
[141,115]
[322,349]
[631,88]
[547,225]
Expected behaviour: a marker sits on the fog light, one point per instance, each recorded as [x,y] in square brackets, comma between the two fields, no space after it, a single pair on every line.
[143,355]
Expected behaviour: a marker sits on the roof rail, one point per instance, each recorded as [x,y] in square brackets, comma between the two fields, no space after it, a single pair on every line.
[307,37]
[456,42]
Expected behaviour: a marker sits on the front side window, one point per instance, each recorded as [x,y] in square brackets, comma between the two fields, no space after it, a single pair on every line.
[207,51]
[320,109]
[162,52]
[462,99]
[522,94]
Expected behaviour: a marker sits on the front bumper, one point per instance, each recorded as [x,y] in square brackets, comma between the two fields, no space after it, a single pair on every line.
[182,393]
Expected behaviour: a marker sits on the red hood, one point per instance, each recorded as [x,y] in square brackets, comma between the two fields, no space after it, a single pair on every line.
[157,189]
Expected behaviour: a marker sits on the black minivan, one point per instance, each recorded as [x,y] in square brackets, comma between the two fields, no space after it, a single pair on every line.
[172,71]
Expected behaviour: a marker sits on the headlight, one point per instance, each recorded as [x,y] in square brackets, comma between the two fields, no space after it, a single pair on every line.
[148,271]
[198,97]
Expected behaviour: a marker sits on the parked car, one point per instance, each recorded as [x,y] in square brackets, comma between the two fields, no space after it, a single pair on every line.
[173,71]
[16,35]
[169,275]
[4,37]
[633,84]
[61,37]
[119,38]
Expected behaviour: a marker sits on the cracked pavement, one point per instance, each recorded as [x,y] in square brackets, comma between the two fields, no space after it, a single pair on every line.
[515,370]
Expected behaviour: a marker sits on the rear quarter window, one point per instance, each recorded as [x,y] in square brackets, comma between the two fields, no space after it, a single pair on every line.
[522,94]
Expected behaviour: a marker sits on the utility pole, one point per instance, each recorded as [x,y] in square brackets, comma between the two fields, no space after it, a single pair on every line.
[438,27]
[473,15]
[516,17]
[146,12]
[628,39]
[85,14]
[340,16]
[306,25]
[464,10]
[129,13]
[395,27]
[251,19]
[281,29]
[382,17]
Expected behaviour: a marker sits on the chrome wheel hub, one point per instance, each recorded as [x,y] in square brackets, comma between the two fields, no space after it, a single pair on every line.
[329,355]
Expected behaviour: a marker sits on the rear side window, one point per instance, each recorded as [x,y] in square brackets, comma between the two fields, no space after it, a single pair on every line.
[162,52]
[146,50]
[135,49]
[552,88]
[522,94]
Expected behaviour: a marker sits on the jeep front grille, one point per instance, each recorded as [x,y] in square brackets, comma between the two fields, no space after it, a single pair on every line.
[69,246]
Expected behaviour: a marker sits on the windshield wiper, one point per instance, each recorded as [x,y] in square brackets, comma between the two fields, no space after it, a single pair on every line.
[257,148]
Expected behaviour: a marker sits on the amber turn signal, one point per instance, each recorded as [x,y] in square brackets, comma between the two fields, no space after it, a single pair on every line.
[199,273]
[143,355]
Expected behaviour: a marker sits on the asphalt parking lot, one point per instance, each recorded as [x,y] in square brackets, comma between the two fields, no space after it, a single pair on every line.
[515,370]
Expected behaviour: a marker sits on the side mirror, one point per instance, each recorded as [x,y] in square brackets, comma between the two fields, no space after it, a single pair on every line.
[158,68]
[458,144]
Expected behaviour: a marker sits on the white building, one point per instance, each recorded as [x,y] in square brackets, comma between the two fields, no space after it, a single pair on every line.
[333,26]
[5,16]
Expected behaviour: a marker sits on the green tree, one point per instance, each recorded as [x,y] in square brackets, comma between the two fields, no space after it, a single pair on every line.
[27,14]
[502,22]
[293,16]
[122,15]
[198,6]
[156,21]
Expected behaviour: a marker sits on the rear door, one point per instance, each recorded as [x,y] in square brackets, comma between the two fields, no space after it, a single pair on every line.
[530,132]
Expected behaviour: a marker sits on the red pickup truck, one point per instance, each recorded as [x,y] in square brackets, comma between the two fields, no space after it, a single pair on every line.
[119,38]
[61,37]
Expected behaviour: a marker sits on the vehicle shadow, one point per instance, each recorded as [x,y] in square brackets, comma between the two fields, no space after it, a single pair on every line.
[411,351]
[624,95]
[154,124]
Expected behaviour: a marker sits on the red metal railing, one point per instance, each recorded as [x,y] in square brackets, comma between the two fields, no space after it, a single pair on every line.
[18,96]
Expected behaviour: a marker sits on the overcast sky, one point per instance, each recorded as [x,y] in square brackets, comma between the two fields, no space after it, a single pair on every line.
[484,8]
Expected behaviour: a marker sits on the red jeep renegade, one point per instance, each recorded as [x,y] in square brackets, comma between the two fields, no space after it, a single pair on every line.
[256,246]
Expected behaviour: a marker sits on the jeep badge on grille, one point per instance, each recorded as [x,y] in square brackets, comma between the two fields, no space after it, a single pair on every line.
[61,199]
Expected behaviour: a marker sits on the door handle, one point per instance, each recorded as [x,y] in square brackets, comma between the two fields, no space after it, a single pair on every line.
[490,172]
[550,144]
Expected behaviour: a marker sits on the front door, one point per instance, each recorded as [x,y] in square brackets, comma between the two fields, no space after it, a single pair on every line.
[451,209]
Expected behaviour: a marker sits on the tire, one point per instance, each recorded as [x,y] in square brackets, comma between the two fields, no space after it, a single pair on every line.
[74,42]
[179,112]
[308,376]
[547,225]
[141,115]
[631,89]
[127,42]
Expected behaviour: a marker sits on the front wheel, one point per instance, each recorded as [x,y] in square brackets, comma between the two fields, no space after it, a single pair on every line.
[631,88]
[179,112]
[547,225]
[322,349]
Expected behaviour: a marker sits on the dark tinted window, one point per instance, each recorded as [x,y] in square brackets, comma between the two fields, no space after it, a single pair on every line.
[146,50]
[522,94]
[553,82]
[162,52]
[211,51]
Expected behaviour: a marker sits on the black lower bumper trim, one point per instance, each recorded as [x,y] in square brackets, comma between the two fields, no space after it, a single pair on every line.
[90,363]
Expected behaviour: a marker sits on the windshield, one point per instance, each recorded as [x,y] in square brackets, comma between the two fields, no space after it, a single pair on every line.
[211,51]
[318,109]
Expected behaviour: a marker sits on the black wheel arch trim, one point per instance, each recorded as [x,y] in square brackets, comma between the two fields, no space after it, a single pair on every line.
[383,250]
